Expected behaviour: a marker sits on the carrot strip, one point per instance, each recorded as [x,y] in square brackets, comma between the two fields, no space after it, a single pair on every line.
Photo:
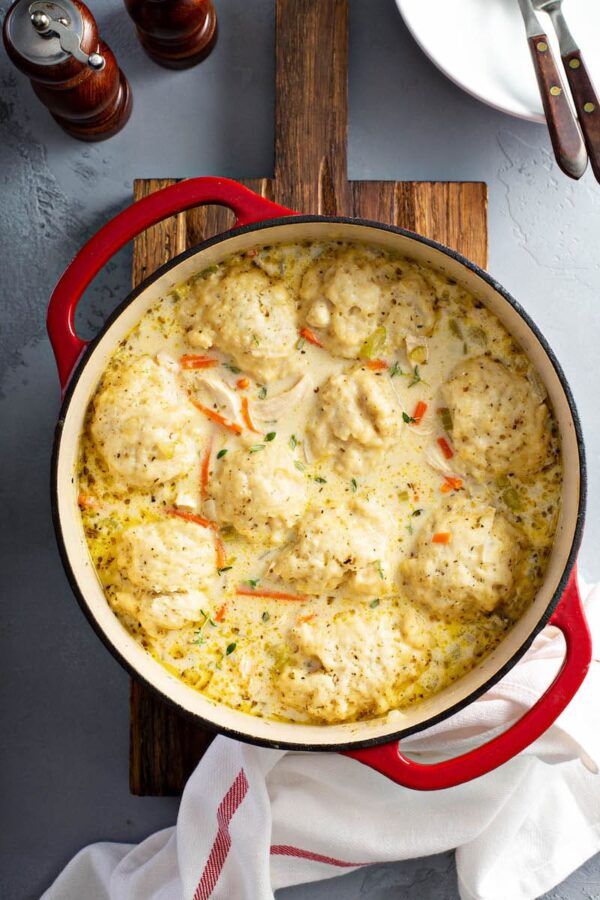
[205,470]
[220,615]
[309,336]
[274,595]
[87,502]
[303,619]
[246,416]
[219,549]
[451,484]
[242,383]
[377,365]
[192,517]
[420,410]
[217,417]
[441,537]
[445,447]
[190,361]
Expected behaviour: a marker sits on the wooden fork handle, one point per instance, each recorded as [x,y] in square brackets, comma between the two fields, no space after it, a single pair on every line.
[569,148]
[586,104]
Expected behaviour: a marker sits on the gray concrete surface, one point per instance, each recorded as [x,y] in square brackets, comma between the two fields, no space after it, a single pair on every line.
[63,744]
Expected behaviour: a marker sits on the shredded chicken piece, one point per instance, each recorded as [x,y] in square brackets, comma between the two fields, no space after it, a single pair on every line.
[210,390]
[276,406]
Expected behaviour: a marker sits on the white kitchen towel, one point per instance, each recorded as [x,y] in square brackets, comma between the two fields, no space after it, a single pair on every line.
[253,820]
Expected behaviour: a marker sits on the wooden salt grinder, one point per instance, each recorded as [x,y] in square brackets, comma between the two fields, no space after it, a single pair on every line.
[73,72]
[176,34]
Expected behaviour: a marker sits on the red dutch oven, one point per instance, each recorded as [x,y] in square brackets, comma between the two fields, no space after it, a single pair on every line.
[374,742]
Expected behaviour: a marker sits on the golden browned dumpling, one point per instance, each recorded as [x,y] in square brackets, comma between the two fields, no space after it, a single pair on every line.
[356,416]
[466,557]
[345,546]
[500,424]
[141,425]
[253,316]
[262,494]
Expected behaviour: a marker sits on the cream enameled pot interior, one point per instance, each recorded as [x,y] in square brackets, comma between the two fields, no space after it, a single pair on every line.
[150,670]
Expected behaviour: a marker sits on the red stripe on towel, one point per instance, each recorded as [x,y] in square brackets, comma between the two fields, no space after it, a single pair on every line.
[286,850]
[220,848]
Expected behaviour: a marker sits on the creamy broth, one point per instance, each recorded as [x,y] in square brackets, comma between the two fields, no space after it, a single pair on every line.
[319,482]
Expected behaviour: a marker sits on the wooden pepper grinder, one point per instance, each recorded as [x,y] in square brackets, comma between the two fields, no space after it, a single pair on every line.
[73,72]
[175,33]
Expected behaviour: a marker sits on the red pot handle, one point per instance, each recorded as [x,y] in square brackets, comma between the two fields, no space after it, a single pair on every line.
[247,206]
[388,759]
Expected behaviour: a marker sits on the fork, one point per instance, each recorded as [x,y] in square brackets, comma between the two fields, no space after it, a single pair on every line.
[582,89]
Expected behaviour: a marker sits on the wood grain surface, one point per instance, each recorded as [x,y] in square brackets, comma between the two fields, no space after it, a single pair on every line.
[310,175]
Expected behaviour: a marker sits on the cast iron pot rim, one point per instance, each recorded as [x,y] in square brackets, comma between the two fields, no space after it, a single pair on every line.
[454,708]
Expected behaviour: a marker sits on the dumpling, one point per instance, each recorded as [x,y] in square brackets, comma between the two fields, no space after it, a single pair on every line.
[475,569]
[261,494]
[166,567]
[350,294]
[500,423]
[356,415]
[342,298]
[335,547]
[140,424]
[351,667]
[411,300]
[157,613]
[248,315]
[167,556]
[170,612]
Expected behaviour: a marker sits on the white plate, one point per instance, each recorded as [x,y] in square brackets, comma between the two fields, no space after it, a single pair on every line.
[481,46]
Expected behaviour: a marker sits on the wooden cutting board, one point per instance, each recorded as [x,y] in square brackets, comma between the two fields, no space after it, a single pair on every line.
[311,115]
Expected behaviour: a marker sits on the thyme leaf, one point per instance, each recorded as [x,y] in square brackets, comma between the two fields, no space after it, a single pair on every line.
[416,378]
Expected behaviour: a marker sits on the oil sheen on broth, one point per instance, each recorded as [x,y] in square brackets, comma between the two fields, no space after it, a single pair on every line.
[319,482]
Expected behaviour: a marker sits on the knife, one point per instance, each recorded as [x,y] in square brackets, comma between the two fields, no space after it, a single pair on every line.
[582,89]
[565,134]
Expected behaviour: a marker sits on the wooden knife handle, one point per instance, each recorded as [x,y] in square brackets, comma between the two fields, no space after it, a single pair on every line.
[586,104]
[569,148]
